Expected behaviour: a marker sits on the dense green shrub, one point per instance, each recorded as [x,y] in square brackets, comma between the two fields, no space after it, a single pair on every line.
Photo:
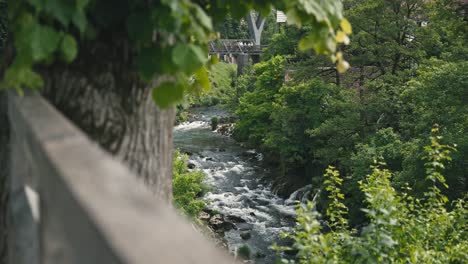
[214,122]
[401,228]
[303,125]
[244,252]
[188,187]
[255,106]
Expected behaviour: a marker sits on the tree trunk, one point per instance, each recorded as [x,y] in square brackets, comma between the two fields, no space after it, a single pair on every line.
[102,93]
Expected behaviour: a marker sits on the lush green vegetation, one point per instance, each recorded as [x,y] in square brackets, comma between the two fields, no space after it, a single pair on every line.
[405,78]
[409,72]
[188,187]
[221,76]
[401,227]
[381,109]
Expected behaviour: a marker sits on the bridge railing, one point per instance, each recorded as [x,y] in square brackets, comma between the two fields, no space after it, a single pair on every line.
[71,202]
[235,46]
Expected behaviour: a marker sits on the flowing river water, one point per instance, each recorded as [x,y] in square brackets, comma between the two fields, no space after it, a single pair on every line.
[238,183]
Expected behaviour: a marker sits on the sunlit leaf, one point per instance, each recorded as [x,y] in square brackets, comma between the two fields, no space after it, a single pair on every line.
[44,41]
[342,66]
[341,37]
[203,18]
[346,26]
[201,81]
[69,48]
[188,57]
[168,93]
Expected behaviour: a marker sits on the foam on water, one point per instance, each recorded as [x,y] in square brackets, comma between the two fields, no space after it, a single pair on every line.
[191,125]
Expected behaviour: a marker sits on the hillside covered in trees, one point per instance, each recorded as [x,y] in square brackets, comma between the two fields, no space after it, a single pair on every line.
[393,128]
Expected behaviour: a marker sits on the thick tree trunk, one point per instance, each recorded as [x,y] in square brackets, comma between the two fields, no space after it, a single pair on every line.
[102,94]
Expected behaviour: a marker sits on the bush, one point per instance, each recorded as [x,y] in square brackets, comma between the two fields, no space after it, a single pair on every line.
[244,252]
[401,228]
[187,187]
[214,123]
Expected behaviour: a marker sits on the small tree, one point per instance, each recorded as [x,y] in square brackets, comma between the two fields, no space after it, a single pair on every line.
[214,123]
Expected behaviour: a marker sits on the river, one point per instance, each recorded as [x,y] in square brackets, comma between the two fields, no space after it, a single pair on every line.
[239,184]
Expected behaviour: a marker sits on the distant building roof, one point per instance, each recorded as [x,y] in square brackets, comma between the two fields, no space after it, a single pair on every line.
[280,17]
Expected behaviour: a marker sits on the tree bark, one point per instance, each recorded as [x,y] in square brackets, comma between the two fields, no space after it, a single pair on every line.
[102,93]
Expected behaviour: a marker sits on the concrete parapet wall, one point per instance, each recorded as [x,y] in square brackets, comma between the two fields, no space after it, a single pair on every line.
[92,209]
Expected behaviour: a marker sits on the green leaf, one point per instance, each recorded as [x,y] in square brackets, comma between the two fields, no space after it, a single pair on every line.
[168,93]
[62,10]
[140,26]
[44,41]
[19,77]
[81,4]
[201,81]
[147,62]
[341,37]
[23,38]
[213,61]
[314,8]
[346,26]
[155,60]
[79,20]
[38,4]
[318,40]
[188,57]
[164,19]
[203,18]
[69,48]
[342,66]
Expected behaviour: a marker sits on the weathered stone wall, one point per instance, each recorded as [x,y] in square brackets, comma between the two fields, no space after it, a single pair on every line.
[4,153]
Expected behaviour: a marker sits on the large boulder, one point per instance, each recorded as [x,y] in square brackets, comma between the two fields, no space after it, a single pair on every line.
[218,223]
[204,216]
[243,226]
[234,219]
[245,235]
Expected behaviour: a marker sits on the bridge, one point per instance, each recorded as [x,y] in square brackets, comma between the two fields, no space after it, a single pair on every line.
[239,50]
[235,47]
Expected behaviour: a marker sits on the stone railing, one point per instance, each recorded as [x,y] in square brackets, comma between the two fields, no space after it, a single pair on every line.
[71,202]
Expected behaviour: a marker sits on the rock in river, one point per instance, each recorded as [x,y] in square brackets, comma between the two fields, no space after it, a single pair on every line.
[234,219]
[243,226]
[204,216]
[245,235]
[218,223]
